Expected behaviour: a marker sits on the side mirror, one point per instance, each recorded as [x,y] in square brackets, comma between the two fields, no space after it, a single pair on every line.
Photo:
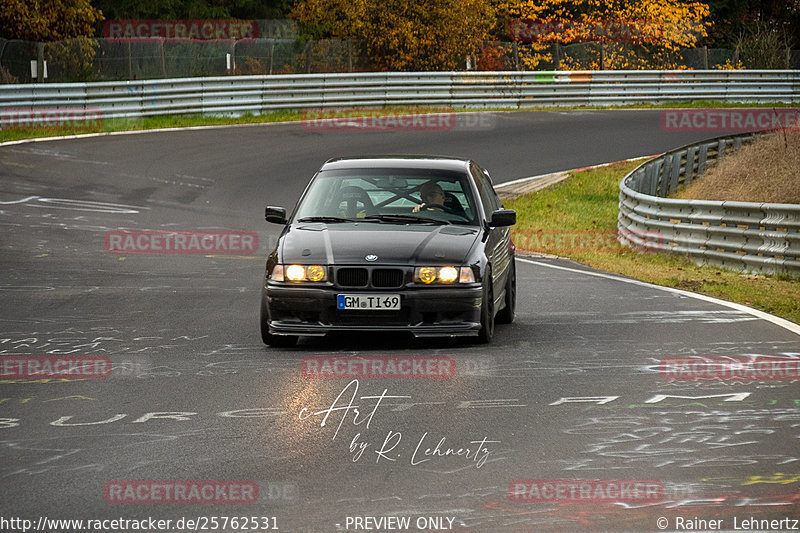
[276,215]
[503,217]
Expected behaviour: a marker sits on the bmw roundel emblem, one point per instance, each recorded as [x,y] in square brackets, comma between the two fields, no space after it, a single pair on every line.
[371,257]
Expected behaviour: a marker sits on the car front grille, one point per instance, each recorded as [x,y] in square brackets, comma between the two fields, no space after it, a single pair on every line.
[387,278]
[352,277]
[381,278]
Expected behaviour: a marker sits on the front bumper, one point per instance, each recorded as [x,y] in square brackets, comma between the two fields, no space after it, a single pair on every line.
[425,311]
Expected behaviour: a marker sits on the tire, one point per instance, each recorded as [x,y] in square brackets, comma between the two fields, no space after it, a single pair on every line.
[486,332]
[507,313]
[277,341]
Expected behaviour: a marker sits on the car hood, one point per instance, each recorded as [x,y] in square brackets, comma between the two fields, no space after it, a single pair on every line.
[350,243]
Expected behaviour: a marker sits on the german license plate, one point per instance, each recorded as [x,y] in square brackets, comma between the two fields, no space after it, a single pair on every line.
[368,302]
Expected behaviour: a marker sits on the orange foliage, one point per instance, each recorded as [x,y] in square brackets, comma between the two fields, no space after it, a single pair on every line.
[52,20]
[493,57]
[401,35]
[680,24]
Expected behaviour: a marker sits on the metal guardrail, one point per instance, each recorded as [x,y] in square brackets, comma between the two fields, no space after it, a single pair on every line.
[236,95]
[745,236]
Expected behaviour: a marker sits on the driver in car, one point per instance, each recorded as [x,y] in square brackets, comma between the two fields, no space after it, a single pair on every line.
[432,197]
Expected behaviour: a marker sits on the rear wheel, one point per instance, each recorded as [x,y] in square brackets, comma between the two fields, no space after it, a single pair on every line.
[506,314]
[270,339]
[486,332]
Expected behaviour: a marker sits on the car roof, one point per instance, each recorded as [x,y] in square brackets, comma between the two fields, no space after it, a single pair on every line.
[395,161]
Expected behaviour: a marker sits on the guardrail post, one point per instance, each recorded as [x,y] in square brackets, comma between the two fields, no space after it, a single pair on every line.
[676,173]
[271,53]
[515,47]
[701,161]
[656,176]
[163,59]
[130,61]
[666,172]
[721,150]
[691,154]
[557,56]
[601,54]
[650,181]
[308,53]
[40,62]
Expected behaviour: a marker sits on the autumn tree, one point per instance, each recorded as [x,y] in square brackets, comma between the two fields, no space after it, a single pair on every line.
[193,9]
[48,20]
[671,25]
[400,35]
[64,25]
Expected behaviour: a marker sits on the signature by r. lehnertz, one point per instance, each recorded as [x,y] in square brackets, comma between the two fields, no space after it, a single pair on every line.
[476,451]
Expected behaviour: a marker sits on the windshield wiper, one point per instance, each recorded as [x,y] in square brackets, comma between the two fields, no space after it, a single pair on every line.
[326,219]
[405,219]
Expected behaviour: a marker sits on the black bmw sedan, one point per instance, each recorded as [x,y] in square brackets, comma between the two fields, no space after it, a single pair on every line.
[396,243]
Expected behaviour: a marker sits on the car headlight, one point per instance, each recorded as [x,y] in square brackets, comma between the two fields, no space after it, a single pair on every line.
[444,274]
[295,273]
[426,274]
[299,273]
[315,273]
[448,274]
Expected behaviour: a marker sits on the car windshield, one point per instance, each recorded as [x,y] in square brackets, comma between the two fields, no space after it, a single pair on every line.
[399,196]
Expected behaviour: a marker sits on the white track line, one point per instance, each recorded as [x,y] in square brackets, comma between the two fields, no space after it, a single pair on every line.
[136,132]
[582,169]
[778,321]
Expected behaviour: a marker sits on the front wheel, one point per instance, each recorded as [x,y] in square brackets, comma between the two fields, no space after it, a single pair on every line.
[270,339]
[507,313]
[486,332]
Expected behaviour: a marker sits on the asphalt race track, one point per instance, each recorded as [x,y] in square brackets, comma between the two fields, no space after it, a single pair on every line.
[570,391]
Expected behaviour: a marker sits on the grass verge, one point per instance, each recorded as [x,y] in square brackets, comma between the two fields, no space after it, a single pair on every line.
[148,123]
[764,171]
[577,218]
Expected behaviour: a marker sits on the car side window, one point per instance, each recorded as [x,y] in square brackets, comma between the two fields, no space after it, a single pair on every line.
[495,199]
[487,194]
